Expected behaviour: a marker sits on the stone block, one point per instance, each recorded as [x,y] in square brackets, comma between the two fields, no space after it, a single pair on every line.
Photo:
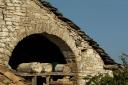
[32,67]
[8,22]
[4,40]
[2,34]
[9,3]
[10,8]
[62,68]
[2,45]
[47,67]
[2,4]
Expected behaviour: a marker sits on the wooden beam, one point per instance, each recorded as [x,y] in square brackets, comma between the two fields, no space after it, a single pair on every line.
[34,80]
[45,74]
[10,75]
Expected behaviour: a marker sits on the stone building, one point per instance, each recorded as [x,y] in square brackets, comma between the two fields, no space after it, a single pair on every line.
[34,31]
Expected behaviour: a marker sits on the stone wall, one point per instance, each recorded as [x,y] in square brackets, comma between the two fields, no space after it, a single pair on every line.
[21,18]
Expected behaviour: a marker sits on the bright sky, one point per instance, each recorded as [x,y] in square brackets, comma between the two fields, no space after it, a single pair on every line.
[106,21]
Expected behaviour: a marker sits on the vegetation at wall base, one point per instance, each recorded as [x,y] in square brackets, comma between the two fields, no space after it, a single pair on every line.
[120,76]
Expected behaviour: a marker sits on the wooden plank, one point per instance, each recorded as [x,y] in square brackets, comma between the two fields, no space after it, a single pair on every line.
[60,83]
[44,74]
[10,75]
[34,80]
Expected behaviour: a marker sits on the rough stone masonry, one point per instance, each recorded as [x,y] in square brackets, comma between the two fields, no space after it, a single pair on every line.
[22,18]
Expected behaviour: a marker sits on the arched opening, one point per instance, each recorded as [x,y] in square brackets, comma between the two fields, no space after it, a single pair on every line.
[36,48]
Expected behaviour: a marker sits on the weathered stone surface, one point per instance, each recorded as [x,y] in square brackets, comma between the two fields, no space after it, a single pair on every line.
[2,4]
[21,18]
[62,68]
[32,67]
[47,67]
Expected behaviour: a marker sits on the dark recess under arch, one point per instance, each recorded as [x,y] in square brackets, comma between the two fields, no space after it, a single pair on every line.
[36,48]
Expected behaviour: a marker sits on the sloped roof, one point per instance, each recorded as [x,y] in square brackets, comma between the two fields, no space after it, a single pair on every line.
[106,58]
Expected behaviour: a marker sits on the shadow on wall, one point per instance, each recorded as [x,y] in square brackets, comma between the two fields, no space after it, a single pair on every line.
[36,48]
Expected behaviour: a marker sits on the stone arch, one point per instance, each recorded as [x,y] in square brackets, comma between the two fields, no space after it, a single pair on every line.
[65,49]
[61,37]
[63,46]
[33,47]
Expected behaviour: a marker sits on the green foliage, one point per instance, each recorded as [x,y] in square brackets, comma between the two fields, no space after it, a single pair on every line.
[120,76]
